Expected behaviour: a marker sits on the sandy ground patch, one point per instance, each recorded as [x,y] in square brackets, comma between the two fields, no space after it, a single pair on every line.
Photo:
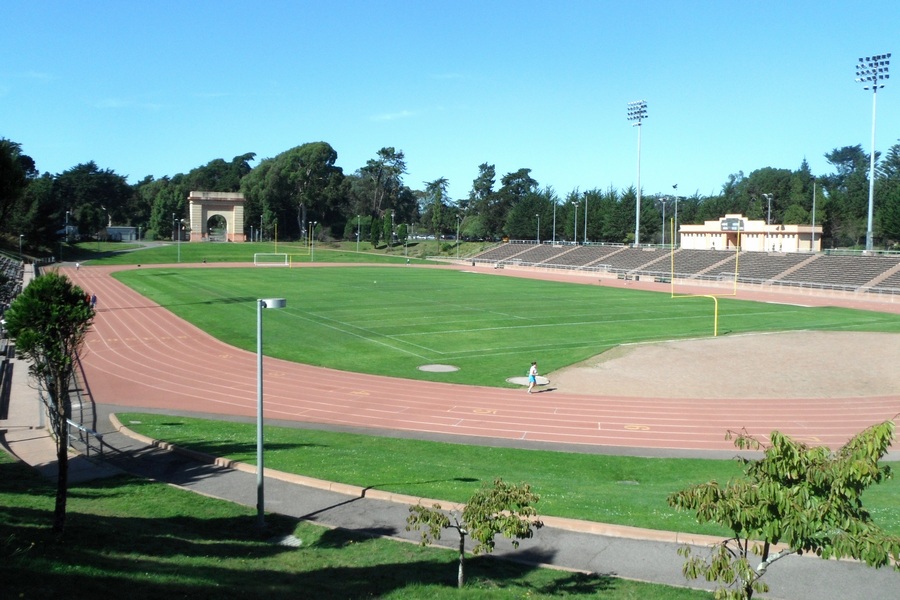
[806,364]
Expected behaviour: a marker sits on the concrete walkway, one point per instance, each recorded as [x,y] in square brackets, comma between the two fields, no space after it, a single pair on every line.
[620,551]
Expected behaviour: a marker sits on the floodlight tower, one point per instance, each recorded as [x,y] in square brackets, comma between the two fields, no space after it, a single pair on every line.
[637,111]
[871,71]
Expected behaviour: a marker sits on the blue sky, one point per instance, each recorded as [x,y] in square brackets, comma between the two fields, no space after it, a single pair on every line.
[158,88]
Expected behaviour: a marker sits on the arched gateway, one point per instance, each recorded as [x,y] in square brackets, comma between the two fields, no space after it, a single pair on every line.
[204,207]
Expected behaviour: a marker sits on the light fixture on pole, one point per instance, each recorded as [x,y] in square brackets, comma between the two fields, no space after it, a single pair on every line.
[538,236]
[637,111]
[871,71]
[260,466]
[21,235]
[357,233]
[457,237]
[312,233]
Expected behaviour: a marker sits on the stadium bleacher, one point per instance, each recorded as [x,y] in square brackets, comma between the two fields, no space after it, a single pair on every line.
[839,271]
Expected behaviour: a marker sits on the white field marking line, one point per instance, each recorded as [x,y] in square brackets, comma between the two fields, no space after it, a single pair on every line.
[789,304]
[555,325]
[357,335]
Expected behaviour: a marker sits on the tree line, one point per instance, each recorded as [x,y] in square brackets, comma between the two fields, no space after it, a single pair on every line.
[303,186]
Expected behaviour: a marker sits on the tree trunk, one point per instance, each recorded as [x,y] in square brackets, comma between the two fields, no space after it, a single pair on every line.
[62,478]
[461,577]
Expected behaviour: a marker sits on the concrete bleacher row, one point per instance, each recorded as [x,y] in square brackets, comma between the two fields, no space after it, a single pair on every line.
[11,274]
[857,273]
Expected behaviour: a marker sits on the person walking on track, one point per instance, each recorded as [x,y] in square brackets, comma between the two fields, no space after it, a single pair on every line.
[532,375]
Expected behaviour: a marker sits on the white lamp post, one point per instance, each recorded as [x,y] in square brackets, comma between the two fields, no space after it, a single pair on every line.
[260,467]
[637,111]
[768,198]
[21,235]
[812,243]
[675,234]
[554,221]
[575,227]
[871,72]
[357,233]
[538,236]
[312,257]
[179,224]
[662,201]
[584,236]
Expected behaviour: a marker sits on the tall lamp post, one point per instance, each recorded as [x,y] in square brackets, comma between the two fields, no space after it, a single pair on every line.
[554,221]
[663,201]
[812,243]
[357,233]
[179,224]
[768,198]
[675,233]
[260,467]
[584,235]
[637,111]
[312,257]
[538,236]
[575,227]
[457,237]
[21,235]
[871,71]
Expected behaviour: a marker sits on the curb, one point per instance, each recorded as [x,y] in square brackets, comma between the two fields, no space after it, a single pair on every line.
[566,524]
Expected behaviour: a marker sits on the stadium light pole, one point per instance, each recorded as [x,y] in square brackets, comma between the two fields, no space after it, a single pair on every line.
[812,243]
[637,111]
[538,236]
[554,221]
[260,467]
[768,198]
[675,232]
[662,201]
[457,236]
[584,234]
[575,227]
[312,233]
[872,71]
[179,224]
[357,233]
[21,235]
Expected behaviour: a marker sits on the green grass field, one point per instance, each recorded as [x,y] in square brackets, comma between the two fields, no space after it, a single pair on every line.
[623,490]
[390,321]
[147,540]
[108,253]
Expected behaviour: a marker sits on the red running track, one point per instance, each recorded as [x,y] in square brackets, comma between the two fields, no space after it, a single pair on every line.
[141,355]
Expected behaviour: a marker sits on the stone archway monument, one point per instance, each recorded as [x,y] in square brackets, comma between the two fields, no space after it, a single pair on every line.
[204,205]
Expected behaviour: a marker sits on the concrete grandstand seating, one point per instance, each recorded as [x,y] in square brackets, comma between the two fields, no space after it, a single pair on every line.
[849,272]
[843,271]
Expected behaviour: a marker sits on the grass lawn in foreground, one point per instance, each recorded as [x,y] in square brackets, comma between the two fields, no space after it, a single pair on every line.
[621,490]
[141,540]
[390,321]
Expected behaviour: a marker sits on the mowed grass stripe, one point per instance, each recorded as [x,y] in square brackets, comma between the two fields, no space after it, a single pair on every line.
[490,327]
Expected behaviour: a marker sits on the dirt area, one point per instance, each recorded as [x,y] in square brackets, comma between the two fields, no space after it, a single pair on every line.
[807,364]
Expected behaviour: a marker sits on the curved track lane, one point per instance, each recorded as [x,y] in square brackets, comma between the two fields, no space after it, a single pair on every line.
[140,355]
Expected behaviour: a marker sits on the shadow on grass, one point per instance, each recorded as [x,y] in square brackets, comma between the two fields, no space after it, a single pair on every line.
[148,540]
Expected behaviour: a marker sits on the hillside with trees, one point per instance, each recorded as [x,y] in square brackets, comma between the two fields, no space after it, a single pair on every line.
[303,185]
